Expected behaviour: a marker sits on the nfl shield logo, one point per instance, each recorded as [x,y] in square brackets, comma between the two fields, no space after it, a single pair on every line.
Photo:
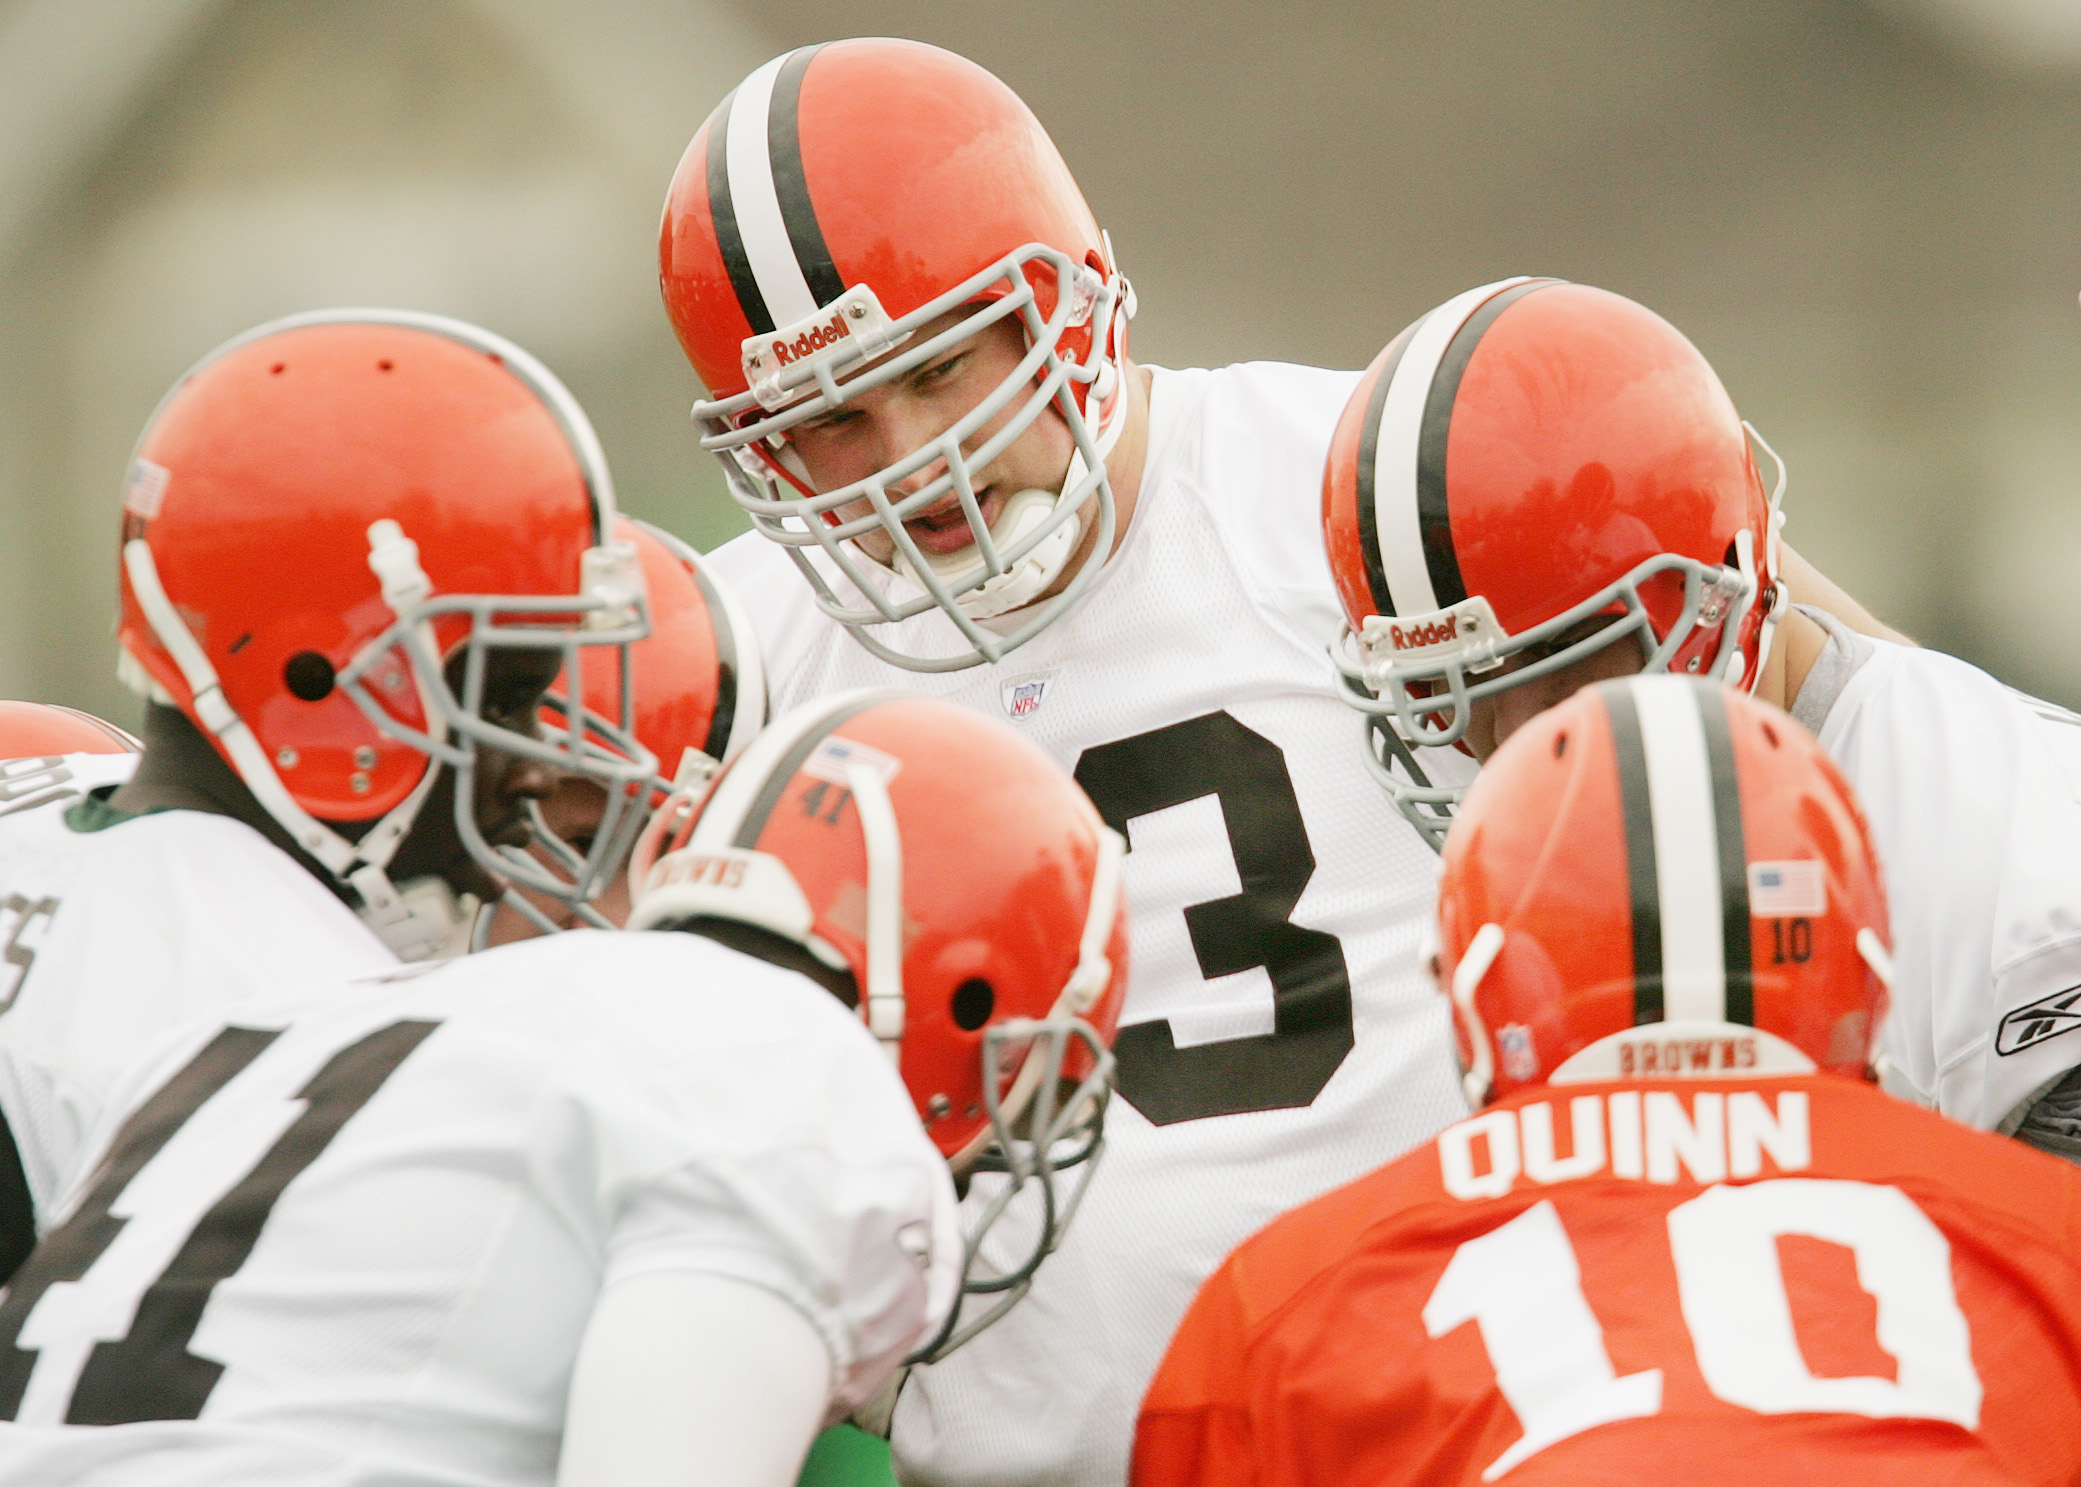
[1515,1040]
[1023,695]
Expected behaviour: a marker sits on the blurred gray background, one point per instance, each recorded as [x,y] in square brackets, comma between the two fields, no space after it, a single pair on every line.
[1865,212]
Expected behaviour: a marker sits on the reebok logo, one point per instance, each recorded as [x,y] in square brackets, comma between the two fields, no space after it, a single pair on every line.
[815,339]
[1429,633]
[2035,1022]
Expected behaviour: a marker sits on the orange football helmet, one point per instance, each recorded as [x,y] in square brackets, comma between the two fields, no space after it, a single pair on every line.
[1661,877]
[35,737]
[31,730]
[1528,456]
[967,897]
[324,511]
[699,689]
[842,197]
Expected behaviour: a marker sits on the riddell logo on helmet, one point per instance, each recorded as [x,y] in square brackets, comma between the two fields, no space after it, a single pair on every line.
[815,339]
[1429,633]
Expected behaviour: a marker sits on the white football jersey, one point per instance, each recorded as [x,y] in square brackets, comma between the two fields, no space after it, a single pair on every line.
[114,935]
[1280,1034]
[1973,792]
[355,1236]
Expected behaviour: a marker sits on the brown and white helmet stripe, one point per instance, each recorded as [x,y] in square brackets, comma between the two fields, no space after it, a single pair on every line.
[1405,526]
[765,224]
[1684,853]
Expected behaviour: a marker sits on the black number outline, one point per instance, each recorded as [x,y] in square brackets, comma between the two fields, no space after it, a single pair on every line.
[150,1374]
[16,953]
[1311,982]
[26,784]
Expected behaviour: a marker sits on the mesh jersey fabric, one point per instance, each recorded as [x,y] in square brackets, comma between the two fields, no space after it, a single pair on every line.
[143,925]
[1803,1280]
[560,1115]
[1973,793]
[1190,690]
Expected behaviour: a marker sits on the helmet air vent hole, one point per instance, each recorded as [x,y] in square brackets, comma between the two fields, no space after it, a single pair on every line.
[309,676]
[1771,734]
[974,1001]
[1560,744]
[385,365]
[278,368]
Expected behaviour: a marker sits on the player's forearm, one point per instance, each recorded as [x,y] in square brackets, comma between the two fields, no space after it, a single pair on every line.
[693,1379]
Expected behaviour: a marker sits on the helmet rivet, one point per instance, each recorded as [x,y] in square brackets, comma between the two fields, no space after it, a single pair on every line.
[393,679]
[1694,663]
[358,783]
[286,758]
[858,312]
[364,758]
[939,1107]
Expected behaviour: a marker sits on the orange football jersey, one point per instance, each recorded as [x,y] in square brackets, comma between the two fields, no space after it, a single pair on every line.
[1700,1282]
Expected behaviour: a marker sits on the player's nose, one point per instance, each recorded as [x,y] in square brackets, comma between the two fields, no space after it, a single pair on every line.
[528,779]
[918,479]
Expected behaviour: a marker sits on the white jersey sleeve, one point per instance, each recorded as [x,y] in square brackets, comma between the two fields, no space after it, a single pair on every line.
[1279,1036]
[1973,793]
[362,1232]
[118,932]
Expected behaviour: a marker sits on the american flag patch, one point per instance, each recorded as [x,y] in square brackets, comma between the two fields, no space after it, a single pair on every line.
[145,491]
[835,759]
[1780,890]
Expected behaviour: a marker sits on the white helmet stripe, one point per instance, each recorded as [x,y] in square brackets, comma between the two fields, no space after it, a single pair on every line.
[760,222]
[1396,516]
[771,760]
[1687,847]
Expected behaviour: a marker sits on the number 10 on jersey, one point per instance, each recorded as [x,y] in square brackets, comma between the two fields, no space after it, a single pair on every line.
[1522,1285]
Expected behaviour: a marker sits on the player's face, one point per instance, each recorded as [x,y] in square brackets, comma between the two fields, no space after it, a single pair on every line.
[574,813]
[1495,718]
[883,424]
[514,681]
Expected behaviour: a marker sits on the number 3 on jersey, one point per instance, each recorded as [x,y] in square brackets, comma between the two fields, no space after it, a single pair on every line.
[1311,986]
[1521,1284]
[150,1374]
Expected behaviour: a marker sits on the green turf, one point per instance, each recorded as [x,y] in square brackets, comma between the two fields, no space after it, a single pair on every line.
[845,1457]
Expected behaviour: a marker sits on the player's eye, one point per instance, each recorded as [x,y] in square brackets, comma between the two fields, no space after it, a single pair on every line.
[940,371]
[836,418]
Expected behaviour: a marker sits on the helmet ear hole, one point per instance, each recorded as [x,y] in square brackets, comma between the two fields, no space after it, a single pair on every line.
[974,1001]
[309,676]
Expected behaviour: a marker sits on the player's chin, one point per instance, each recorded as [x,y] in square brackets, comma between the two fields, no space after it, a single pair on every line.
[510,829]
[467,875]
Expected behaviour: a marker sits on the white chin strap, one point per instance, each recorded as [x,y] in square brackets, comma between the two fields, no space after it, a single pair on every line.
[1481,952]
[422,921]
[1029,578]
[884,989]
